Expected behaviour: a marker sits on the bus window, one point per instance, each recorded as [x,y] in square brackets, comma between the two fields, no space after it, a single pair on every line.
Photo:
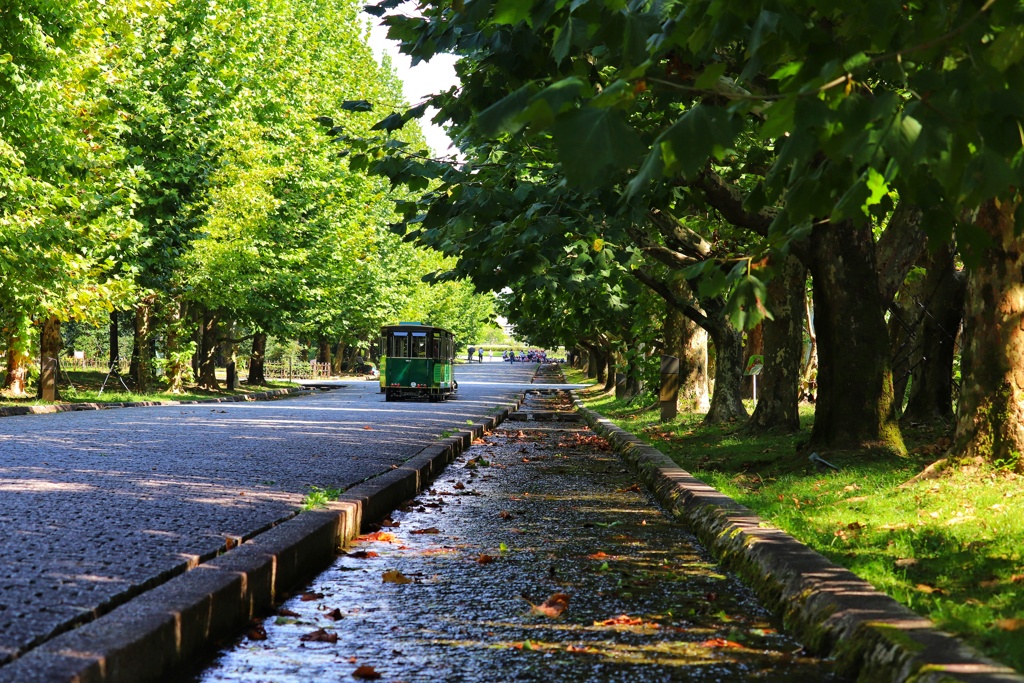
[435,346]
[399,345]
[419,345]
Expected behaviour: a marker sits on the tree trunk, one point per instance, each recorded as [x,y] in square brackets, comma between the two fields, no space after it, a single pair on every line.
[688,342]
[115,341]
[601,365]
[592,358]
[754,347]
[207,360]
[49,360]
[258,360]
[323,354]
[809,359]
[141,368]
[990,419]
[339,357]
[903,327]
[855,407]
[199,319]
[726,398]
[778,408]
[18,358]
[931,387]
[177,369]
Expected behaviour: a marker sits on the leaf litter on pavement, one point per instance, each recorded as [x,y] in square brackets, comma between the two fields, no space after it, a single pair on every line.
[440,594]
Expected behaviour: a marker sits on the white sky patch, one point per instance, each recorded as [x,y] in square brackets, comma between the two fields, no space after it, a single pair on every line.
[426,78]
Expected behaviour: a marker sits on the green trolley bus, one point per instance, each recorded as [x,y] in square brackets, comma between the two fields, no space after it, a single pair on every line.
[416,362]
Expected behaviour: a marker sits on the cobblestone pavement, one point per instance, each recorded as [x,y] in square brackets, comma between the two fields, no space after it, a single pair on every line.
[97,506]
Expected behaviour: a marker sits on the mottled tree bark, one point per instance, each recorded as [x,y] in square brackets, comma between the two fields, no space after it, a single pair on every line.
[258,360]
[778,408]
[19,331]
[931,389]
[323,353]
[855,407]
[688,342]
[207,358]
[50,344]
[990,418]
[177,368]
[904,320]
[141,368]
[726,399]
[753,346]
[339,357]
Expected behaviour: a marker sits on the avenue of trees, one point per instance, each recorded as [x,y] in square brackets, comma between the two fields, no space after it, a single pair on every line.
[661,177]
[168,162]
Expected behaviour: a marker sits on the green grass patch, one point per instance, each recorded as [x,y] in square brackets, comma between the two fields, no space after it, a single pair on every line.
[949,548]
[83,386]
[320,497]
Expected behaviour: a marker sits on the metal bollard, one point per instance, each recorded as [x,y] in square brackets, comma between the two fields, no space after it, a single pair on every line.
[669,395]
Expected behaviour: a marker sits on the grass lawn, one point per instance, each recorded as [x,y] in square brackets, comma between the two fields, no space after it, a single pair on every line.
[950,548]
[85,385]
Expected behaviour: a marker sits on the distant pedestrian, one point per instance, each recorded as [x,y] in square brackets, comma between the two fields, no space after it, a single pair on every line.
[480,355]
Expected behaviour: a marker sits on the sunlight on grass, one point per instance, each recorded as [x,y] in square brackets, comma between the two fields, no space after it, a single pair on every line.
[949,548]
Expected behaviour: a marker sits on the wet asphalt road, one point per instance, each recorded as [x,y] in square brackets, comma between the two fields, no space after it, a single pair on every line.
[97,506]
[535,557]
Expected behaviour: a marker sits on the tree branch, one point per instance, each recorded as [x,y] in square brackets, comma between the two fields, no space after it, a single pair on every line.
[663,290]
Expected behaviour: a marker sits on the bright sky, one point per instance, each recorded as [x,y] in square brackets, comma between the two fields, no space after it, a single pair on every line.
[424,79]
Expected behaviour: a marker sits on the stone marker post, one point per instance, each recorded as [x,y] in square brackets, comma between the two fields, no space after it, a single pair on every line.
[232,376]
[669,395]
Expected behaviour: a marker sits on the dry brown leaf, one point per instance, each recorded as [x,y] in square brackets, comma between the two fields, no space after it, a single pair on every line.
[599,555]
[634,487]
[906,562]
[382,536]
[310,597]
[989,583]
[395,576]
[459,486]
[368,427]
[335,614]
[319,636]
[553,607]
[505,514]
[925,588]
[428,530]
[621,620]
[287,613]
[366,672]
[485,559]
[1017,578]
[719,642]
[256,632]
[1014,624]
[363,554]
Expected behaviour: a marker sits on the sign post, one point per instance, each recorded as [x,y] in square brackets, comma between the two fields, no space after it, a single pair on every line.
[669,395]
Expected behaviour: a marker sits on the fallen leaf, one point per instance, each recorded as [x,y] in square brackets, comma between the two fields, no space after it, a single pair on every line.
[906,562]
[256,632]
[368,427]
[1014,624]
[505,514]
[719,642]
[634,487]
[553,607]
[428,530]
[335,614]
[363,554]
[395,576]
[621,620]
[287,613]
[366,672]
[459,486]
[1017,578]
[599,555]
[382,536]
[580,648]
[928,590]
[310,597]
[485,559]
[390,523]
[711,597]
[851,487]
[319,636]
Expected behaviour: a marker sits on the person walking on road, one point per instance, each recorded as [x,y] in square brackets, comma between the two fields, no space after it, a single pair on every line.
[480,355]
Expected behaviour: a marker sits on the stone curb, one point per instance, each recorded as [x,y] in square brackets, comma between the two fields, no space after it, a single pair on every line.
[13,411]
[173,625]
[828,608]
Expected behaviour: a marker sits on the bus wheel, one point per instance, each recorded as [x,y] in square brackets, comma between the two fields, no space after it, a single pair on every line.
[388,396]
